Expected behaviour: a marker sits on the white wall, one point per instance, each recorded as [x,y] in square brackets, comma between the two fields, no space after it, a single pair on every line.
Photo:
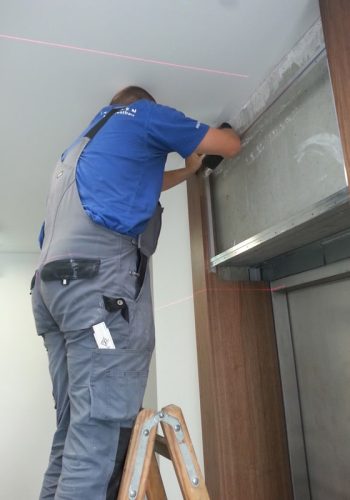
[177,376]
[27,414]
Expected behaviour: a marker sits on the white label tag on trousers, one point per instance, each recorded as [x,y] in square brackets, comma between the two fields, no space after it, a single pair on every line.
[103,336]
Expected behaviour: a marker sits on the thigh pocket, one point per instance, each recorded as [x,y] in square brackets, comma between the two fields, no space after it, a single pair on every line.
[117,383]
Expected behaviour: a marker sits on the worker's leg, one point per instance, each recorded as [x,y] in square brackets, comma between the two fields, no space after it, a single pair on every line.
[116,477]
[55,346]
[141,338]
[106,388]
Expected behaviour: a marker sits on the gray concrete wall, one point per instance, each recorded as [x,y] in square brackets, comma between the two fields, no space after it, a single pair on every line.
[291,159]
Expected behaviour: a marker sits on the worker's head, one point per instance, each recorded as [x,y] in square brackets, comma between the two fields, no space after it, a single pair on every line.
[131,94]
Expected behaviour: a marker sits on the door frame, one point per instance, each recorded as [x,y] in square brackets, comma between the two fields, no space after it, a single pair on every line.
[295,432]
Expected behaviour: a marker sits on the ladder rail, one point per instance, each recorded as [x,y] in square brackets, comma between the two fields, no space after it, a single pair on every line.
[141,471]
[183,456]
[138,458]
[155,487]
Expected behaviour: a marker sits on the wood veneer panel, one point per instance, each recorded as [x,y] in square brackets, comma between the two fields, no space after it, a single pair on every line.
[336,27]
[244,437]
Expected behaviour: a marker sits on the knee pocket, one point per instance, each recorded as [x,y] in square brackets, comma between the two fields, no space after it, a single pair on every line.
[117,383]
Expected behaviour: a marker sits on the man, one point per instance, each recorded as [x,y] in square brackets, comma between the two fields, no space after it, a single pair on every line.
[91,293]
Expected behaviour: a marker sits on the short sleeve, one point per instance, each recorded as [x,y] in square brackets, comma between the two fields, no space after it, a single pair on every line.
[170,130]
[41,235]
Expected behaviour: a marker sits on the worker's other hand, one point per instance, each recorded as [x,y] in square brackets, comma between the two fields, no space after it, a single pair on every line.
[193,162]
[172,178]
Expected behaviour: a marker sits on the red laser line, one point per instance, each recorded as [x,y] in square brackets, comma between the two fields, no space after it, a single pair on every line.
[236,289]
[173,303]
[120,56]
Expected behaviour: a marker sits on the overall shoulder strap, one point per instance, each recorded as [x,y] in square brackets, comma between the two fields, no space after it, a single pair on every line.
[72,154]
[93,131]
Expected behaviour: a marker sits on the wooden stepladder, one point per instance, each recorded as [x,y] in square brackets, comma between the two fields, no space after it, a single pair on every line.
[141,472]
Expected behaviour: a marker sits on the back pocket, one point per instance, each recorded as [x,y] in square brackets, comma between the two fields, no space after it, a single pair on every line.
[118,382]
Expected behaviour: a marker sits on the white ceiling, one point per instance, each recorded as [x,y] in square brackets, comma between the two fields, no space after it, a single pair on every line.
[49,92]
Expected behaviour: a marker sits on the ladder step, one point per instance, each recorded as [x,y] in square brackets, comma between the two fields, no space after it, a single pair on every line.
[161,447]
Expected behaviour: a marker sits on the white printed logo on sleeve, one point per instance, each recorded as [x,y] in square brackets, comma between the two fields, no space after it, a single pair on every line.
[103,336]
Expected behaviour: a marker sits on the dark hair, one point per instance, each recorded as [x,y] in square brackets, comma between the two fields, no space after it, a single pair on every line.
[131,94]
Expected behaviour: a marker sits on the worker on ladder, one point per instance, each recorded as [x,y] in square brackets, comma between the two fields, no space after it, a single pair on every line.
[91,292]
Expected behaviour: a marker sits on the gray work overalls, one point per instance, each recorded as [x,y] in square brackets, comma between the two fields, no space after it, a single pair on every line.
[88,274]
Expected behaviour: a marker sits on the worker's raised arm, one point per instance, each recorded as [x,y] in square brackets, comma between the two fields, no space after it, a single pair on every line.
[224,142]
[218,143]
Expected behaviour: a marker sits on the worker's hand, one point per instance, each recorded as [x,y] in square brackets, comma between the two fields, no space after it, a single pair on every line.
[172,178]
[193,162]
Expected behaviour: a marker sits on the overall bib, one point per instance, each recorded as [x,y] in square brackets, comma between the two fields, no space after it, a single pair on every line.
[87,275]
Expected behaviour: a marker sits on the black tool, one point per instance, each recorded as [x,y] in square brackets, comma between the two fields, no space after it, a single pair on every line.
[212,161]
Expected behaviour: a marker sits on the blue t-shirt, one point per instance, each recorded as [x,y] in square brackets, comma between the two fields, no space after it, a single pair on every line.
[120,171]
